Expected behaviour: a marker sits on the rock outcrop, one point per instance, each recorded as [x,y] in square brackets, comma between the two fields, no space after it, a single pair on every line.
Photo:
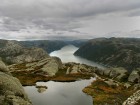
[48,66]
[73,68]
[119,74]
[133,99]
[12,52]
[135,76]
[11,91]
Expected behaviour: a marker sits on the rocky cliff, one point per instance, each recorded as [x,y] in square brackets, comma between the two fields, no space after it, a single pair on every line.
[11,91]
[13,52]
[116,52]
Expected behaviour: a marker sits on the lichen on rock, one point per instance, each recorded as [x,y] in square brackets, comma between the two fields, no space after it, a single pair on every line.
[11,90]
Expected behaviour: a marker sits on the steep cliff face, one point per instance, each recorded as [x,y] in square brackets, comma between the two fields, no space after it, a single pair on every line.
[13,52]
[117,52]
[11,91]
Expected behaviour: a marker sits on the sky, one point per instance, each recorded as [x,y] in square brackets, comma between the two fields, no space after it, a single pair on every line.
[75,19]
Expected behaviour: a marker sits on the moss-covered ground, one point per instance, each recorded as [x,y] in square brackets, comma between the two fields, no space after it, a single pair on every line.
[102,93]
[27,78]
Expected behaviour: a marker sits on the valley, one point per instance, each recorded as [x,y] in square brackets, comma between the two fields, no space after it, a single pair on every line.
[33,66]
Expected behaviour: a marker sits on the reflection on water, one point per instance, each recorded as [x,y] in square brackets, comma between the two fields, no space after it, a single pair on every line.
[41,89]
[60,93]
[66,55]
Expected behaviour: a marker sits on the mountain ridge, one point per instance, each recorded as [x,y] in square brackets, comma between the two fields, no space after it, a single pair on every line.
[116,52]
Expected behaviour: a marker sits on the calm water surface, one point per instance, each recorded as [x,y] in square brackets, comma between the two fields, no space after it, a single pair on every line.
[66,55]
[60,93]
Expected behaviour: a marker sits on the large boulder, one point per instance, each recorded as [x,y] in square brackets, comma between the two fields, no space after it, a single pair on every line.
[51,67]
[11,91]
[3,67]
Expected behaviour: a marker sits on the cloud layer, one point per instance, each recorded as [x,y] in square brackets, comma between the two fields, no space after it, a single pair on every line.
[39,19]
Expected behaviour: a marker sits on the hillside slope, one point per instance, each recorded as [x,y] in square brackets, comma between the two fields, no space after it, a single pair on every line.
[52,45]
[116,52]
[14,52]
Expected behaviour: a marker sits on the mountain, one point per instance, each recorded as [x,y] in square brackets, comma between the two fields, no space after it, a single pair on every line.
[47,45]
[51,45]
[13,52]
[116,52]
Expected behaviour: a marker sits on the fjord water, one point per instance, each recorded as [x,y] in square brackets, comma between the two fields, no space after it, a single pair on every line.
[60,93]
[66,55]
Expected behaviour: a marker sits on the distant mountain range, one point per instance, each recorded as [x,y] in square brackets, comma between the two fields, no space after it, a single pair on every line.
[52,45]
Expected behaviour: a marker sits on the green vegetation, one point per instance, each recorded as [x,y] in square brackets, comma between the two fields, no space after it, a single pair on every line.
[28,78]
[103,93]
[115,52]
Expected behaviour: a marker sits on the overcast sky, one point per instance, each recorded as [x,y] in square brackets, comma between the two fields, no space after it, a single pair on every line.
[47,19]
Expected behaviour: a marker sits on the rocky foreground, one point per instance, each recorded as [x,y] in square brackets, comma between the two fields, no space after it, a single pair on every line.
[112,85]
[11,90]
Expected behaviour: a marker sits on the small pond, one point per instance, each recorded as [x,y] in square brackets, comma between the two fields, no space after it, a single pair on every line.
[60,93]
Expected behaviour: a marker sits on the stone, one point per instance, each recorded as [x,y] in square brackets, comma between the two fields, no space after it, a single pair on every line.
[3,67]
[134,76]
[47,66]
[51,67]
[41,89]
[118,73]
[11,90]
[107,72]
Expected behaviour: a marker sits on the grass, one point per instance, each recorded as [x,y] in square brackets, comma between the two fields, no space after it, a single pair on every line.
[103,93]
[27,78]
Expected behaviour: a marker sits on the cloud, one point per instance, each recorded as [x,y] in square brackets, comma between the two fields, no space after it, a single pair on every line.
[132,34]
[69,17]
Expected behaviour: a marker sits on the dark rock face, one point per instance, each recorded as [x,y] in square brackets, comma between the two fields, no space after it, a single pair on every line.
[116,52]
[11,91]
[12,52]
